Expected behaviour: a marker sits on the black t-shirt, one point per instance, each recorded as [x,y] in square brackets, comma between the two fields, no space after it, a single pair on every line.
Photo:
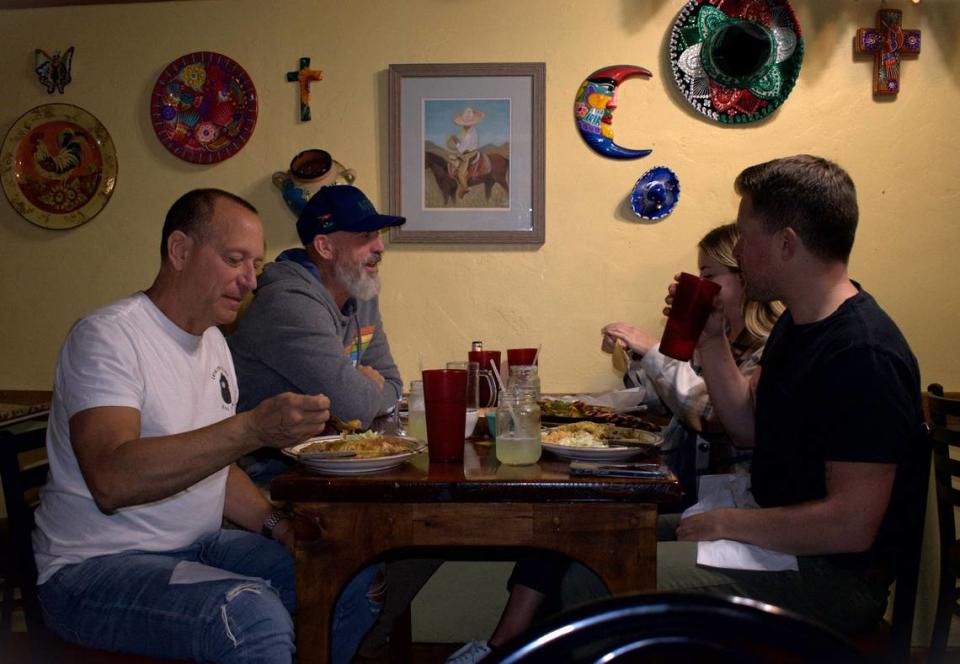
[846,388]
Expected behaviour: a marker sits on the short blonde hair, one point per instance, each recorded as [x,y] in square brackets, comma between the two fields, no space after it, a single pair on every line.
[758,317]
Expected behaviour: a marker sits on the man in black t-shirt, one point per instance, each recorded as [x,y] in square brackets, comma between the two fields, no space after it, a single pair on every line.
[833,413]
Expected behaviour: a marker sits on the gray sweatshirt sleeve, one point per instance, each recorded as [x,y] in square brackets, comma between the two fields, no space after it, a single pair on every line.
[295,335]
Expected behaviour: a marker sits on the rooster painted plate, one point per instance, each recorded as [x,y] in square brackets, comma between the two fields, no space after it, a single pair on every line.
[203,107]
[58,166]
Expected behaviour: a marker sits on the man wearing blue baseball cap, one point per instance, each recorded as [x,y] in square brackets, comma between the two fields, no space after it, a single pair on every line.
[314,326]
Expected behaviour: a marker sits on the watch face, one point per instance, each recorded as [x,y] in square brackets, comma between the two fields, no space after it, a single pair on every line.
[271,521]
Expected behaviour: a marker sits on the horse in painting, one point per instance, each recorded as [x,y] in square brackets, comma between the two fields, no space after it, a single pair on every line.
[498,173]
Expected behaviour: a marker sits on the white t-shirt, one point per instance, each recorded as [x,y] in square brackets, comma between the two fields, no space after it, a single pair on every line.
[469,141]
[130,354]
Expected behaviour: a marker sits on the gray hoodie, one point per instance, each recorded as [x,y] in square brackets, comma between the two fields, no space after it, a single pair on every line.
[293,338]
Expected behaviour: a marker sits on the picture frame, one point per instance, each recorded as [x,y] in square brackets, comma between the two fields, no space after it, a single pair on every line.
[466,152]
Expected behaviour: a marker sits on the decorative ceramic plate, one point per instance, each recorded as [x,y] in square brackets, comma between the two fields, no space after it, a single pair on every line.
[204,107]
[595,453]
[351,465]
[58,166]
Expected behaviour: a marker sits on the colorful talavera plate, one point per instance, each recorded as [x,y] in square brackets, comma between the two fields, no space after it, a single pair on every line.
[204,107]
[58,166]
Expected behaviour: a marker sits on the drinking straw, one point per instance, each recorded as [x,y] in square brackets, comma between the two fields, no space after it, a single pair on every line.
[536,355]
[503,388]
[420,363]
[496,372]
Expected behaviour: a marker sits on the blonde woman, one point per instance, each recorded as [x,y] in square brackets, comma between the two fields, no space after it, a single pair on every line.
[694,442]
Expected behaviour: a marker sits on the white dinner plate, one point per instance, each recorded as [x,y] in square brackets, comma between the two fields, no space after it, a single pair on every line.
[351,465]
[609,453]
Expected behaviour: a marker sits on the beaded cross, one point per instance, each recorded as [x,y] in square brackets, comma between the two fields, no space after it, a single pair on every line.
[887,42]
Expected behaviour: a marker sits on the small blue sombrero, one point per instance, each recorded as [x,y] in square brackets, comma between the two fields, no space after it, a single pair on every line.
[655,194]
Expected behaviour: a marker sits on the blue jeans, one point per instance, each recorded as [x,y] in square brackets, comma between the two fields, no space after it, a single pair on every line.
[228,597]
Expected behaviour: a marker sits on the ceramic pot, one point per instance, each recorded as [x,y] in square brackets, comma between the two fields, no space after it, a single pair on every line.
[310,170]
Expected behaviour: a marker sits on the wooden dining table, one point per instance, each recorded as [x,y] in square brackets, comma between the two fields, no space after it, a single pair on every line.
[20,405]
[343,522]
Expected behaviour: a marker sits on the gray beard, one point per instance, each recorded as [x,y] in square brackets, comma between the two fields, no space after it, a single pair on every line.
[355,281]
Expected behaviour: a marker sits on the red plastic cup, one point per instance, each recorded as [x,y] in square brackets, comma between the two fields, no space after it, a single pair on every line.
[692,304]
[521,357]
[445,400]
[488,396]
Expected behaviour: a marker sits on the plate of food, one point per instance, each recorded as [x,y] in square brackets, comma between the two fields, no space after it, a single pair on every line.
[354,454]
[554,411]
[595,441]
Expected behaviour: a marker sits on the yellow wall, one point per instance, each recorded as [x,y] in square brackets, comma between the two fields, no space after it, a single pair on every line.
[597,264]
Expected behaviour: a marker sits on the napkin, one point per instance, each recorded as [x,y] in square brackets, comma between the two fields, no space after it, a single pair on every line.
[717,491]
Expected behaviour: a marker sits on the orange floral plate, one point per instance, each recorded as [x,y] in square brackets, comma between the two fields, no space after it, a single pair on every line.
[58,166]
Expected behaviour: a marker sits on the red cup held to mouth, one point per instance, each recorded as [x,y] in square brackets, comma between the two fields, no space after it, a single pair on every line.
[692,304]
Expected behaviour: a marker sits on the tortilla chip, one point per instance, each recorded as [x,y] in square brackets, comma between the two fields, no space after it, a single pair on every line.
[621,361]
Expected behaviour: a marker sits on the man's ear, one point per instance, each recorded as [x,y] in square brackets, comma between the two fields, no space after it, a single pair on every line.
[179,247]
[789,243]
[323,246]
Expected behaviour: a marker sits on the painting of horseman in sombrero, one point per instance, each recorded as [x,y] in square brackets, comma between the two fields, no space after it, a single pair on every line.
[466,153]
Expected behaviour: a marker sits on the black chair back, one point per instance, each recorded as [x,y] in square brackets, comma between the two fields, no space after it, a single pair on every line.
[907,571]
[21,483]
[945,434]
[678,627]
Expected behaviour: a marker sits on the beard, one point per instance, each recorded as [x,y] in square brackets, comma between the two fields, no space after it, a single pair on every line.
[355,279]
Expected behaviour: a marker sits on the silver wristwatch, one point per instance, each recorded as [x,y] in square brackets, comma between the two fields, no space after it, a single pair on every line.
[271,522]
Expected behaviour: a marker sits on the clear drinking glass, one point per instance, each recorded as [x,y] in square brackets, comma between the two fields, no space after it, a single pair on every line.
[518,428]
[416,412]
[525,377]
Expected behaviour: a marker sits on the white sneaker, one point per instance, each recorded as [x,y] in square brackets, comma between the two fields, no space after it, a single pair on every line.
[472,652]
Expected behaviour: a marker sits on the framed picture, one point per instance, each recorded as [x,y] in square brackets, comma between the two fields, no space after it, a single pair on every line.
[466,152]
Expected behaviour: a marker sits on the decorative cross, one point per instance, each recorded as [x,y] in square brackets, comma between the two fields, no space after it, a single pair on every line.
[305,77]
[887,42]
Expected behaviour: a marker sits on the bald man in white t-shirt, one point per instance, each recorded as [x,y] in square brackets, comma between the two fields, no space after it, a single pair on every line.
[142,441]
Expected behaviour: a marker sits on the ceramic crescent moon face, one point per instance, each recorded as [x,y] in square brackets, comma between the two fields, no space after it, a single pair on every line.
[593,110]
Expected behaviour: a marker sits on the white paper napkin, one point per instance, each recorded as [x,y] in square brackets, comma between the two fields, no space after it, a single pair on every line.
[716,491]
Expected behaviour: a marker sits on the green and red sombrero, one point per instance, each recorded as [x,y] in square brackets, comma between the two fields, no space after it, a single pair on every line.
[736,61]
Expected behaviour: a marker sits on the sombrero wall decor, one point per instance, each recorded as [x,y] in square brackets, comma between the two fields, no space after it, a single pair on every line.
[655,194]
[736,61]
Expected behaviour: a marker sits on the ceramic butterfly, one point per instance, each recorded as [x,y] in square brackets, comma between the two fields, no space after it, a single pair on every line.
[53,71]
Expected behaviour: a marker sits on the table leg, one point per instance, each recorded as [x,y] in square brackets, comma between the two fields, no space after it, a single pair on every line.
[616,540]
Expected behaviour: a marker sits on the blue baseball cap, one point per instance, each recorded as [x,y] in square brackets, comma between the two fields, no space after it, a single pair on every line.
[341,207]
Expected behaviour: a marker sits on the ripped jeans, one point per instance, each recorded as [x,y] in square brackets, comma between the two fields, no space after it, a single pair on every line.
[228,597]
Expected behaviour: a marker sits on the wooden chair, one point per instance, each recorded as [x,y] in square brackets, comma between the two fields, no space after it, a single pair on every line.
[907,572]
[681,627]
[23,470]
[945,420]
[20,494]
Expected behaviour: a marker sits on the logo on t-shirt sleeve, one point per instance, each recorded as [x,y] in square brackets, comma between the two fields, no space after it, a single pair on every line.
[225,389]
